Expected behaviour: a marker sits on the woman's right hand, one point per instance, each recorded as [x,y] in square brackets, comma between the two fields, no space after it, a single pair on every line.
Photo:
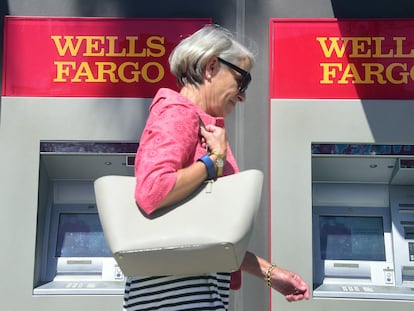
[215,139]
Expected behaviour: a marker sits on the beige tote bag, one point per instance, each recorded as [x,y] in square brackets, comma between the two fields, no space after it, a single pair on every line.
[207,232]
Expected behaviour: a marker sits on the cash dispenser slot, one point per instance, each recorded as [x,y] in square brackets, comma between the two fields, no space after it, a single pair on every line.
[76,266]
[347,270]
[408,275]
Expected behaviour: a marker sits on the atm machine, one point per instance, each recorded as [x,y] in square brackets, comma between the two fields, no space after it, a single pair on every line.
[363,221]
[341,161]
[72,255]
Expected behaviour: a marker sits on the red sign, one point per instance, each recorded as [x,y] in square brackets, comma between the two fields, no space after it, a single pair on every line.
[90,57]
[345,59]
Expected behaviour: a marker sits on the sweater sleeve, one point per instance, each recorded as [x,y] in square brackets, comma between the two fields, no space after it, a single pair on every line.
[167,144]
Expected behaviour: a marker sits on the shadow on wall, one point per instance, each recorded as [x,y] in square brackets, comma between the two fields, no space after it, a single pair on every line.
[398,122]
[4,10]
[219,10]
[372,9]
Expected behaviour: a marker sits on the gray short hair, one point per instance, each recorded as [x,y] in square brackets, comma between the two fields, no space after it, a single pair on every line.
[188,60]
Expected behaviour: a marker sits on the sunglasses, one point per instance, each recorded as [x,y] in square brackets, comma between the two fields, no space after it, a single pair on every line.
[244,83]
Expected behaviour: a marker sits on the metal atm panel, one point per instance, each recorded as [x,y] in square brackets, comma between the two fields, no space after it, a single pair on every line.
[402,211]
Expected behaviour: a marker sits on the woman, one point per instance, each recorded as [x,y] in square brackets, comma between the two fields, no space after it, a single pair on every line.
[178,153]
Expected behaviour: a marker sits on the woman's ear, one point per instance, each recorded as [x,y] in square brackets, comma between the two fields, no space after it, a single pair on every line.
[212,67]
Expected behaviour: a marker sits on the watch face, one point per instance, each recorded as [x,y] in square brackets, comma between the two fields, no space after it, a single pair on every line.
[220,162]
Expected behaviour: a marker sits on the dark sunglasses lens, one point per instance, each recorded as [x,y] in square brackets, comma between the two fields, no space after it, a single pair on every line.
[245,83]
[246,75]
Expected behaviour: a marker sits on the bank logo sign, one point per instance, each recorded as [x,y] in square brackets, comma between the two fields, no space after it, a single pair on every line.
[334,58]
[90,57]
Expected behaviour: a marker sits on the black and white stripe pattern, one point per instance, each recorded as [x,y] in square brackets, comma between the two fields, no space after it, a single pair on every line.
[201,292]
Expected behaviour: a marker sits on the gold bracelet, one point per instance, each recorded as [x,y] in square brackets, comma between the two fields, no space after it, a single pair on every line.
[268,275]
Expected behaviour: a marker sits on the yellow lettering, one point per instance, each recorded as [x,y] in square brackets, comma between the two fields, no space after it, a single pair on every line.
[132,46]
[155,44]
[106,68]
[374,70]
[101,72]
[63,69]
[135,72]
[333,47]
[68,45]
[399,50]
[378,48]
[360,47]
[412,73]
[350,72]
[111,47]
[366,73]
[159,72]
[84,71]
[93,45]
[329,71]
[403,74]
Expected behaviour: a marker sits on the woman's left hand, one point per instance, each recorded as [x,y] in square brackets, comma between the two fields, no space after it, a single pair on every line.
[289,284]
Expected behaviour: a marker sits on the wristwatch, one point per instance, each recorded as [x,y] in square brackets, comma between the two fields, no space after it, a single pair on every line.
[219,163]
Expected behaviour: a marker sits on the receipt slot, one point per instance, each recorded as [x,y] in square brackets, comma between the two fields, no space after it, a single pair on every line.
[72,256]
[363,221]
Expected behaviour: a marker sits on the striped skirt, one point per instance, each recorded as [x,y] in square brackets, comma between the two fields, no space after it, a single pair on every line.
[201,292]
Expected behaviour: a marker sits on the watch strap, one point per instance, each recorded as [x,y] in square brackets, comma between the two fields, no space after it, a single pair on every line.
[211,169]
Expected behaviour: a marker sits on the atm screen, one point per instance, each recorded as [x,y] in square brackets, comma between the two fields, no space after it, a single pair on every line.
[80,235]
[352,238]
